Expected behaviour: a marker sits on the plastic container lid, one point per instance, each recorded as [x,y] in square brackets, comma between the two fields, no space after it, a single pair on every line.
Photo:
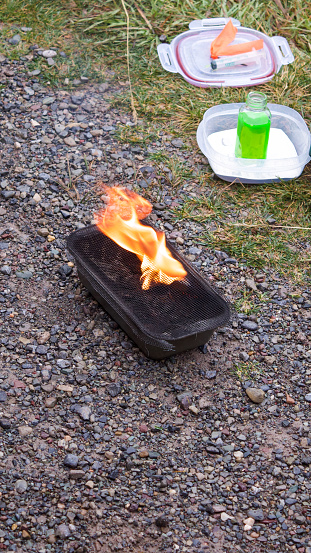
[228,167]
[189,55]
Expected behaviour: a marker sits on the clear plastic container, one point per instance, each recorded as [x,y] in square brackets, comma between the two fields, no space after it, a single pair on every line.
[253,127]
[216,139]
[189,55]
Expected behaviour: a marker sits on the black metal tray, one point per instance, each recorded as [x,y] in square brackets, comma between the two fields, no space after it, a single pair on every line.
[162,321]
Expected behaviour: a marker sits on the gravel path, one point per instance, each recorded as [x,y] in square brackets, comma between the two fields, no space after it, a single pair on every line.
[103,450]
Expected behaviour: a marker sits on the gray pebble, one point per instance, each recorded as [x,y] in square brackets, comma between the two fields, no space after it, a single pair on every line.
[3,396]
[15,40]
[21,486]
[5,270]
[114,389]
[63,531]
[256,514]
[83,411]
[250,325]
[49,53]
[24,274]
[177,142]
[71,461]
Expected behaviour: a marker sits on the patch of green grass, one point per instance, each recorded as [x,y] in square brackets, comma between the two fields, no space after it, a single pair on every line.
[246,371]
[264,248]
[249,304]
[199,209]
[140,136]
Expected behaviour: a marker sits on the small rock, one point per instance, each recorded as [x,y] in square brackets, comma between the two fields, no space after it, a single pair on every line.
[29,91]
[185,399]
[289,399]
[50,402]
[59,128]
[109,455]
[256,394]
[250,283]
[8,194]
[62,531]
[114,389]
[143,428]
[15,40]
[204,402]
[77,98]
[70,141]
[49,53]
[238,455]
[219,508]
[97,153]
[306,460]
[162,522]
[308,397]
[249,325]
[3,396]
[76,474]
[43,232]
[5,424]
[36,198]
[24,274]
[21,486]
[45,336]
[34,73]
[84,412]
[25,431]
[65,270]
[42,350]
[224,517]
[103,87]
[193,409]
[249,523]
[143,453]
[210,374]
[177,142]
[48,100]
[256,514]
[131,450]
[71,461]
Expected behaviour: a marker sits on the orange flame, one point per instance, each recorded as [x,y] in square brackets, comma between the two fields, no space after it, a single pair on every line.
[120,222]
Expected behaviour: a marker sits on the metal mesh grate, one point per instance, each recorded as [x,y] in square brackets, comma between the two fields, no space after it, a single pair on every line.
[166,312]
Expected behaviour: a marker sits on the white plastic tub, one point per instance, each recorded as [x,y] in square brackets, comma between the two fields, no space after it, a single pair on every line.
[276,167]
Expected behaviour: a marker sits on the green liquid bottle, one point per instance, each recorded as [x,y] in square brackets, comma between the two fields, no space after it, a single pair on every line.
[253,127]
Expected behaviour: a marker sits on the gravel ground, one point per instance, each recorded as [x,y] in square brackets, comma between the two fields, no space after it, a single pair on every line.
[103,449]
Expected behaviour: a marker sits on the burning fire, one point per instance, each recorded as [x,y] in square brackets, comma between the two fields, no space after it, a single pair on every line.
[120,222]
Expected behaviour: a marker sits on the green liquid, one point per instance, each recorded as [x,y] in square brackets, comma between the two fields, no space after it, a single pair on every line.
[252,135]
